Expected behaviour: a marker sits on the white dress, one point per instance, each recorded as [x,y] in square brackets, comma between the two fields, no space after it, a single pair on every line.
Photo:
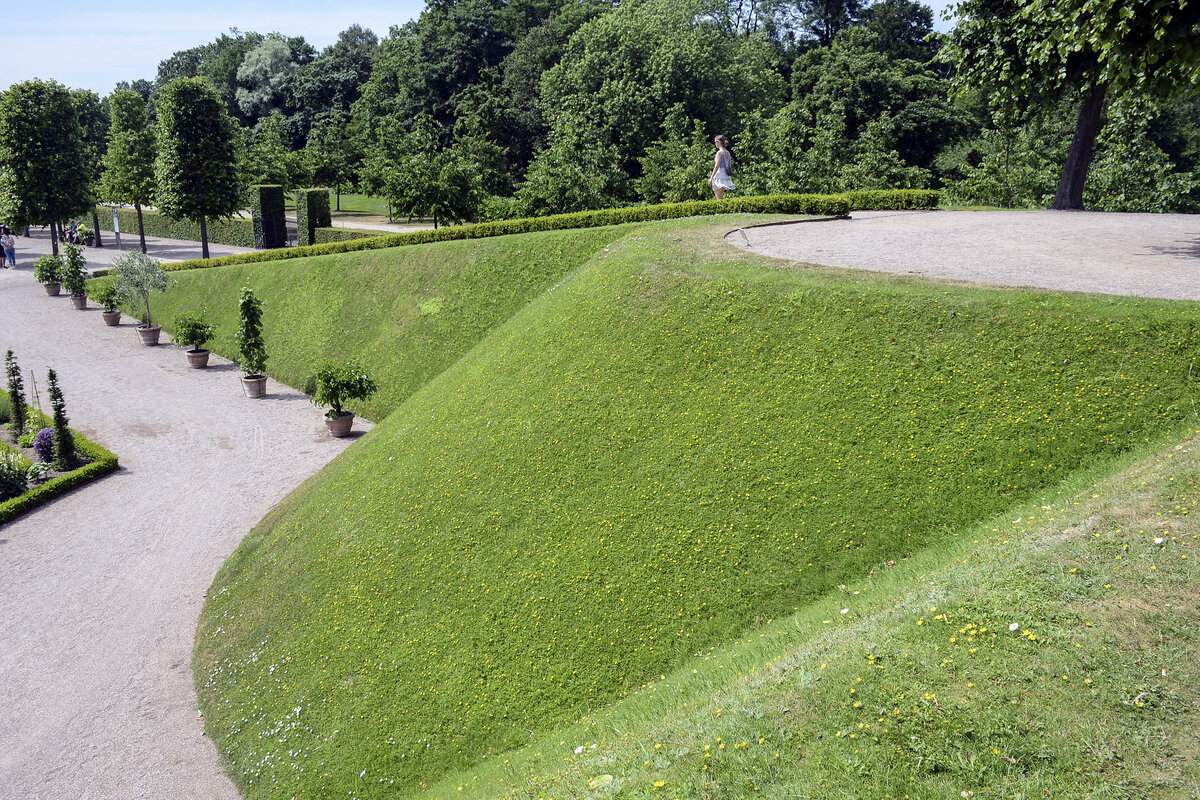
[722,179]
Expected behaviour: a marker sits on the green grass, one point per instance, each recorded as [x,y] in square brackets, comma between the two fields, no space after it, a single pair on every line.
[406,314]
[354,207]
[663,451]
[920,689]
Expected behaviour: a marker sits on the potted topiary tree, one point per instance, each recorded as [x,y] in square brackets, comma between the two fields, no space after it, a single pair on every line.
[73,276]
[47,271]
[250,344]
[137,274]
[107,295]
[333,385]
[193,331]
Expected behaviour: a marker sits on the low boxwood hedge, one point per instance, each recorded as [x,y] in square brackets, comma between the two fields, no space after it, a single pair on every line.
[236,232]
[894,199]
[816,204]
[102,462]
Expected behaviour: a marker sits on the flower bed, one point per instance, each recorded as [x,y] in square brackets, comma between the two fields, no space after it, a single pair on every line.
[97,461]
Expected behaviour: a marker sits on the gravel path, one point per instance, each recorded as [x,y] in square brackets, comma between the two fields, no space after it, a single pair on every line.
[100,590]
[38,243]
[1147,255]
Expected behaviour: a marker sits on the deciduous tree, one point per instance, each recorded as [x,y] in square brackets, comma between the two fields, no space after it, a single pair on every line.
[129,162]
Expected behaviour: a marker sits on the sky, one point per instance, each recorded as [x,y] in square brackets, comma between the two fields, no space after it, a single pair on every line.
[94,45]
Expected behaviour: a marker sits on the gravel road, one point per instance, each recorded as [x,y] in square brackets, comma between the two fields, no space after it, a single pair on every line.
[1147,255]
[100,590]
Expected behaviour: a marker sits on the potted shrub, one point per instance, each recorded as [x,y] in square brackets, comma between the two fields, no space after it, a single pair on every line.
[193,331]
[108,296]
[333,386]
[73,276]
[251,348]
[137,275]
[46,271]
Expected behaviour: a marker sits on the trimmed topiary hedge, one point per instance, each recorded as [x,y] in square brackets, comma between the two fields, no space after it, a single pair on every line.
[312,214]
[327,235]
[817,204]
[894,199]
[266,213]
[236,232]
[102,462]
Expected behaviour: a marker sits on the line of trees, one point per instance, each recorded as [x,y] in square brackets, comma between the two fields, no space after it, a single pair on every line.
[484,109]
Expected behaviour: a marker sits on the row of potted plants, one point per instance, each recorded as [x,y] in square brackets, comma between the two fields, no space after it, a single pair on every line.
[135,276]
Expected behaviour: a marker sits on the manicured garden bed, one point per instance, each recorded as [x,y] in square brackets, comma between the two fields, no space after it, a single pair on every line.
[94,461]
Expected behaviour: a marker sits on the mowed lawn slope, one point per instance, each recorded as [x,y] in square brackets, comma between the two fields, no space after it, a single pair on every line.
[652,457]
[405,313]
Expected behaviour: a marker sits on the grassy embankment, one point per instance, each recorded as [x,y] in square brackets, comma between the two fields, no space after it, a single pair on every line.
[668,449]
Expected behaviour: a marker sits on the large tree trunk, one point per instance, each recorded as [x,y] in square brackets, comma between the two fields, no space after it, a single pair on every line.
[338,189]
[1070,186]
[141,227]
[96,228]
[203,238]
[54,238]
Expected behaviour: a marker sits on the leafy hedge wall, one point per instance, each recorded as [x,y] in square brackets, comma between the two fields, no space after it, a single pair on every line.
[895,199]
[236,232]
[327,235]
[102,463]
[816,204]
[312,214]
[267,215]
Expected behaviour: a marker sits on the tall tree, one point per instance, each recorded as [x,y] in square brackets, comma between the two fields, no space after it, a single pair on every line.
[94,122]
[1045,50]
[44,174]
[129,162]
[331,83]
[331,154]
[197,164]
[264,78]
[269,157]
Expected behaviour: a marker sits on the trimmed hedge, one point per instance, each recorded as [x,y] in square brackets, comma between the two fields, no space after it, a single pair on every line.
[824,205]
[894,199]
[312,214]
[236,232]
[327,235]
[102,463]
[266,213]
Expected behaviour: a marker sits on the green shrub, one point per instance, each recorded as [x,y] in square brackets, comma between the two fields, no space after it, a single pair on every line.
[251,347]
[12,475]
[327,235]
[815,204]
[137,275]
[71,273]
[5,410]
[312,214]
[105,292]
[235,232]
[894,199]
[193,330]
[267,217]
[48,269]
[334,385]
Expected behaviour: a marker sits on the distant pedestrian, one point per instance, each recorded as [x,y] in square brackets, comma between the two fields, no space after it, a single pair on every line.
[8,243]
[722,166]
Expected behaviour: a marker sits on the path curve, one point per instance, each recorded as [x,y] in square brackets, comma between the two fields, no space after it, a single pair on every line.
[101,589]
[1145,255]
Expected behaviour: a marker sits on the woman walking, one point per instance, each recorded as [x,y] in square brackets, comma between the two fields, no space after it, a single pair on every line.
[722,165]
[8,244]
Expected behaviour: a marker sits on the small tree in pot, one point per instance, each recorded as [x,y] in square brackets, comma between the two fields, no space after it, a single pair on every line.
[73,275]
[107,295]
[252,349]
[47,271]
[193,331]
[137,275]
[334,385]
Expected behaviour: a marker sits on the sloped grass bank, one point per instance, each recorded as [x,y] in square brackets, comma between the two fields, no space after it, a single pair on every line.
[650,459]
[921,687]
[406,313]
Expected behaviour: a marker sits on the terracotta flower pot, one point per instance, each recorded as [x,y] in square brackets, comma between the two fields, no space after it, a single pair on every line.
[149,334]
[52,289]
[197,359]
[254,385]
[340,426]
[79,301]
[111,318]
